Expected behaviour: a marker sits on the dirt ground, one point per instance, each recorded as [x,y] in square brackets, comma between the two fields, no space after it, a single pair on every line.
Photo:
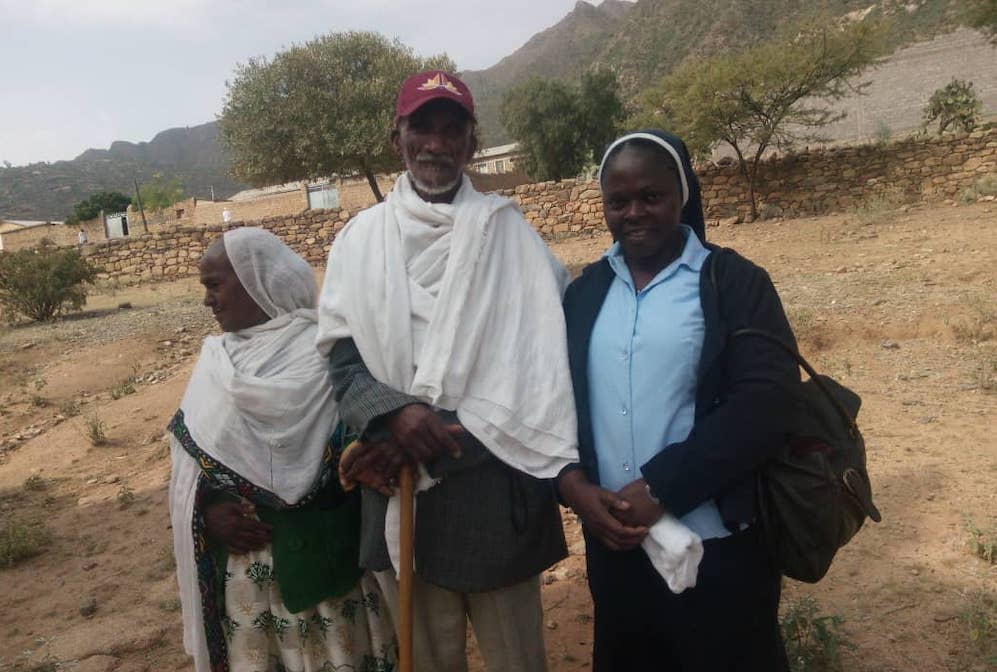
[900,305]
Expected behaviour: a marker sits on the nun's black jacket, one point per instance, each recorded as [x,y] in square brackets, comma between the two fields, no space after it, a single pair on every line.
[745,405]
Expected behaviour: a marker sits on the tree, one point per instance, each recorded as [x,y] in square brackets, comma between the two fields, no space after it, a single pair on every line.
[159,193]
[561,128]
[545,120]
[90,207]
[771,96]
[602,110]
[320,108]
[954,106]
[982,14]
[42,283]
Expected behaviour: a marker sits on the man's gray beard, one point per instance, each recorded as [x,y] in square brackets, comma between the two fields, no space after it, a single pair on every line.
[434,191]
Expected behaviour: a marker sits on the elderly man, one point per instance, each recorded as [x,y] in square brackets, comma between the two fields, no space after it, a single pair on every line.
[441,317]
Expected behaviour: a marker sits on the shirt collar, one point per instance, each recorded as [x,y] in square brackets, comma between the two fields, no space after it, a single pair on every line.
[692,257]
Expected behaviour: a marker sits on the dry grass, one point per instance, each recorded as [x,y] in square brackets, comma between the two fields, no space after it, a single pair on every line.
[95,430]
[879,207]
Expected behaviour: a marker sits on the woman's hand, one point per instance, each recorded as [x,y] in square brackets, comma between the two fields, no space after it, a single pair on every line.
[642,509]
[374,464]
[234,524]
[597,507]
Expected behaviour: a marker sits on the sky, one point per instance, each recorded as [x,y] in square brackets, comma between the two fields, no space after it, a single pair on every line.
[79,74]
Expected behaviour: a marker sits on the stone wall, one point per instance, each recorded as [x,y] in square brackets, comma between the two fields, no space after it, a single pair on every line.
[831,180]
[175,252]
[934,169]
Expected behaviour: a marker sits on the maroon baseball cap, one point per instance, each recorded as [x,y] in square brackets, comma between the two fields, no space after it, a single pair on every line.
[431,85]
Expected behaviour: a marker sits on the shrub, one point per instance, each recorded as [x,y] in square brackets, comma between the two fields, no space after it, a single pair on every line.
[883,132]
[981,625]
[954,106]
[123,387]
[42,283]
[983,542]
[95,430]
[126,496]
[983,186]
[813,642]
[18,542]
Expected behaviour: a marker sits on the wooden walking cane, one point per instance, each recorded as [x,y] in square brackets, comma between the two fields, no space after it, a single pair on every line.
[405,568]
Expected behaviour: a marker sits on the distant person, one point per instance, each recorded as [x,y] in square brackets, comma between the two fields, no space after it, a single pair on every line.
[266,541]
[226,215]
[441,314]
[82,237]
[674,419]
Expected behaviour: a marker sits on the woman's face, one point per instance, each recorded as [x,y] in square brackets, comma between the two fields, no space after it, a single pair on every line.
[642,203]
[224,294]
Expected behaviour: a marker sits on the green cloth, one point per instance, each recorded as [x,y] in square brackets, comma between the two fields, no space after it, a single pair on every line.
[316,552]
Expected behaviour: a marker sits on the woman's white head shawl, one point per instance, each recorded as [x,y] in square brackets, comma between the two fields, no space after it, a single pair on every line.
[274,276]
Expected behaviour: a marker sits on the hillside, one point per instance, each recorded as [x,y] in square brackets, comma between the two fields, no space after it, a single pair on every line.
[49,190]
[563,51]
[640,41]
[643,41]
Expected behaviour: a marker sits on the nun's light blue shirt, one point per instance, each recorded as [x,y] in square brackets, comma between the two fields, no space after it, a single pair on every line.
[642,365]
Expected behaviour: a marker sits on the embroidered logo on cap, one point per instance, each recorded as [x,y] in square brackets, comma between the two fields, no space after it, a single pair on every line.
[439,81]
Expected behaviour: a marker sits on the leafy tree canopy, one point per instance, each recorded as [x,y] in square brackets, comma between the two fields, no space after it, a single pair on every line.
[159,193]
[90,207]
[320,108]
[560,128]
[955,107]
[770,96]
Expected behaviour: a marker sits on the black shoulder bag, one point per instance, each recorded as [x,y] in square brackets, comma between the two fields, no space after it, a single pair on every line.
[815,495]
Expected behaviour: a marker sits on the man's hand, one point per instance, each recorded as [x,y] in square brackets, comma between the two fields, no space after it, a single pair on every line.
[373,464]
[642,510]
[422,434]
[597,507]
[234,525]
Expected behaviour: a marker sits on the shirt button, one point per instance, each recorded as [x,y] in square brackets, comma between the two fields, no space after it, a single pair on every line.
[623,410]
[626,466]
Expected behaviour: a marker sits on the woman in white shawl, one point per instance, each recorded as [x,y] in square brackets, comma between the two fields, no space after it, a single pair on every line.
[266,541]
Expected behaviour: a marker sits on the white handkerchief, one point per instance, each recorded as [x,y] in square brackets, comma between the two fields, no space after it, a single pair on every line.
[675,551]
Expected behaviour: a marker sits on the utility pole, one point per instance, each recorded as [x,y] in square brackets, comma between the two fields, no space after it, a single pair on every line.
[138,199]
[212,187]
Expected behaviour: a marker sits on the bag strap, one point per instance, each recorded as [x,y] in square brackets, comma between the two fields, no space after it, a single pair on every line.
[789,350]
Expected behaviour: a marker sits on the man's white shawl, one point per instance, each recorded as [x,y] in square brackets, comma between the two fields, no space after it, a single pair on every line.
[259,401]
[459,305]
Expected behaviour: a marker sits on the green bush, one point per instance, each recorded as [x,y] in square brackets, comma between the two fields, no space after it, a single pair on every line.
[813,641]
[19,542]
[954,106]
[42,283]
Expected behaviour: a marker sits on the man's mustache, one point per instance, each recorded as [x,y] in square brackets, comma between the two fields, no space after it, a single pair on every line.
[426,157]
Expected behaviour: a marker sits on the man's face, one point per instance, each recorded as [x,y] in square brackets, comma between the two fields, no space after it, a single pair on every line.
[435,142]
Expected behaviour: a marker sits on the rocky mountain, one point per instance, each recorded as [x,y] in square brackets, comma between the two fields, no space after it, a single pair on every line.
[643,41]
[564,51]
[48,190]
